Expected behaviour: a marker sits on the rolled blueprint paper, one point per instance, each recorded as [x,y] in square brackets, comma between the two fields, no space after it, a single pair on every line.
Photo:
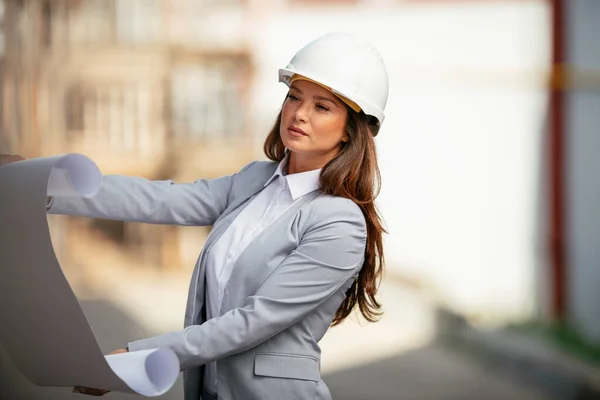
[42,326]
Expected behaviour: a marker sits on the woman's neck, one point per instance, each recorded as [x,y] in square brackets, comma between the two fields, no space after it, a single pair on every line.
[297,164]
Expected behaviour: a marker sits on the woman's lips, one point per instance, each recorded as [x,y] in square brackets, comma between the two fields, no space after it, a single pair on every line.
[295,131]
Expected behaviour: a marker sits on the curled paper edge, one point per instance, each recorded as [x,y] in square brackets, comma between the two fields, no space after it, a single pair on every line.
[23,222]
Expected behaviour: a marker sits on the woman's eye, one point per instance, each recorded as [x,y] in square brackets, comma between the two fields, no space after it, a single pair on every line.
[322,107]
[292,97]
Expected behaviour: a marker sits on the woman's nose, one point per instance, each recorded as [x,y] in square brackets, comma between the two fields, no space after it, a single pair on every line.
[301,113]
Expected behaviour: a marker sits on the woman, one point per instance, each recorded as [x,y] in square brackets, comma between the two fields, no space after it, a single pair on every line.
[296,243]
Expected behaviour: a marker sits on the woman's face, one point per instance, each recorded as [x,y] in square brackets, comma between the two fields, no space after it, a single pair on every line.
[313,122]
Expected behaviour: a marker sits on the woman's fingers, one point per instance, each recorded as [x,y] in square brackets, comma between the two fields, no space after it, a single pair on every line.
[90,391]
[10,158]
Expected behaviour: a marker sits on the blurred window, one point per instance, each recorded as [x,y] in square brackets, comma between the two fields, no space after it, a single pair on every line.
[207,101]
[90,22]
[177,21]
[46,28]
[122,117]
[74,109]
[139,21]
[114,230]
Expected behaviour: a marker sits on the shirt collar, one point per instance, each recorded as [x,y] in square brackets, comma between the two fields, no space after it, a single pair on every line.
[300,183]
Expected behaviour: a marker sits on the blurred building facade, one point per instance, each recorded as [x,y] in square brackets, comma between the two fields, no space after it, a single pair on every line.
[142,87]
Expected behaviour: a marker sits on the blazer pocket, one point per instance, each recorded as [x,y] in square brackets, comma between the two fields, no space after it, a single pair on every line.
[288,366]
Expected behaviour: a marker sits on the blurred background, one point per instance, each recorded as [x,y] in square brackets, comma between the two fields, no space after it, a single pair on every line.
[488,156]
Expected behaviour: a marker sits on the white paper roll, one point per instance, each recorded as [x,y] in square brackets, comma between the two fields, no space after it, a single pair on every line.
[44,330]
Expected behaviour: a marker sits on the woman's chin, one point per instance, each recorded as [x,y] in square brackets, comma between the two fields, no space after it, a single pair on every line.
[294,145]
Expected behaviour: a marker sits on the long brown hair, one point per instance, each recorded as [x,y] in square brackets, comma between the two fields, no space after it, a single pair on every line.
[353,174]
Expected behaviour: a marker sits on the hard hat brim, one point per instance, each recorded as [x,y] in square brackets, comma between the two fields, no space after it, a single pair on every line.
[286,74]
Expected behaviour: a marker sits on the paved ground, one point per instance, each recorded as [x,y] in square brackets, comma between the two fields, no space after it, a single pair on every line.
[392,359]
[428,373]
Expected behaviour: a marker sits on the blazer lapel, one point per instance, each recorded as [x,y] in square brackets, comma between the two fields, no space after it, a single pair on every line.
[242,196]
[253,182]
[277,224]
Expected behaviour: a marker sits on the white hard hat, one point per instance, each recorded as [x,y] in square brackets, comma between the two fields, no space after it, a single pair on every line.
[349,67]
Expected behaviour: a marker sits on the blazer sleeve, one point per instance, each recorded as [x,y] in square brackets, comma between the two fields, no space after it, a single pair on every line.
[330,253]
[128,198]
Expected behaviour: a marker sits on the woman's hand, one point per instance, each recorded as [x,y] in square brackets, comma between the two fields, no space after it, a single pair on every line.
[10,158]
[92,391]
[120,351]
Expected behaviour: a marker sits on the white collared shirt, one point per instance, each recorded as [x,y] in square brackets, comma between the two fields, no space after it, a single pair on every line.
[281,191]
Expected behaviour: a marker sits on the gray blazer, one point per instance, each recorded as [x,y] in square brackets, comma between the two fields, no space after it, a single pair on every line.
[284,289]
